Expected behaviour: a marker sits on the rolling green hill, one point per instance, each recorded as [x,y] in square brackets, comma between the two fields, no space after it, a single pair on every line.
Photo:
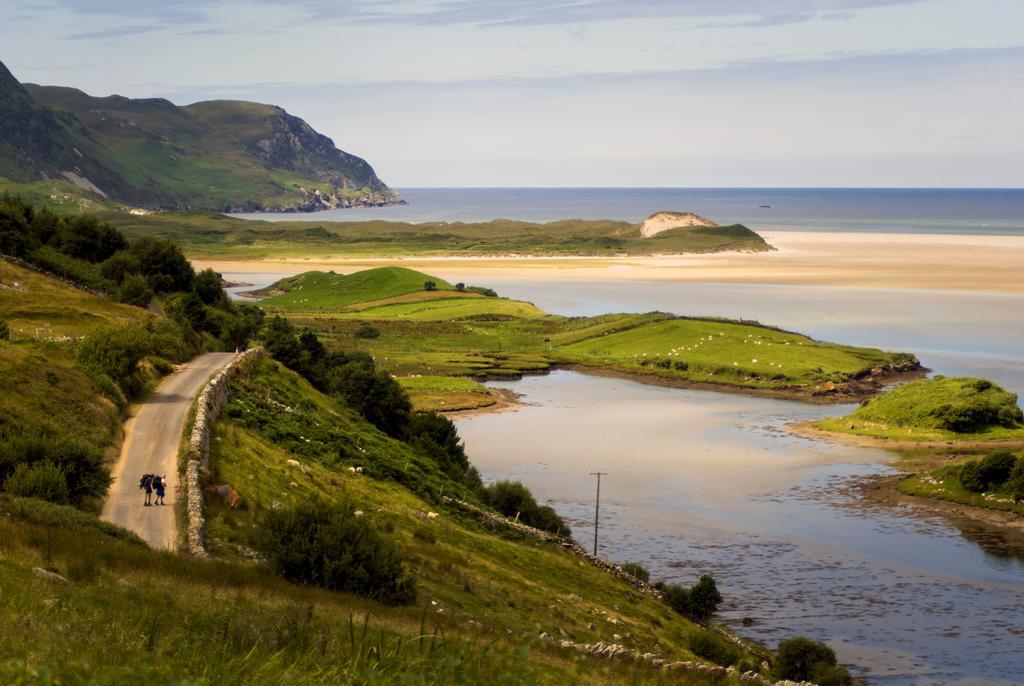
[149,153]
[327,290]
[937,409]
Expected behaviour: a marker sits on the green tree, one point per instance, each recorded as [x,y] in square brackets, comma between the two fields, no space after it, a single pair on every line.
[704,598]
[207,287]
[163,264]
[801,659]
[430,285]
[373,394]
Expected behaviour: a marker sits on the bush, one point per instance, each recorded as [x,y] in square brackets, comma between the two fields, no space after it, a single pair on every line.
[801,659]
[430,285]
[367,330]
[436,437]
[512,498]
[698,602]
[681,366]
[135,291]
[82,467]
[988,474]
[328,545]
[711,646]
[373,394]
[5,331]
[43,480]
[637,570]
[115,352]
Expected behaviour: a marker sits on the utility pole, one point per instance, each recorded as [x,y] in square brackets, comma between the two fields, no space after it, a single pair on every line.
[597,505]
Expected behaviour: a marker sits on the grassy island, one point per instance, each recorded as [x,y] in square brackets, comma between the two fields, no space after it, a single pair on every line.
[441,338]
[216,235]
[959,410]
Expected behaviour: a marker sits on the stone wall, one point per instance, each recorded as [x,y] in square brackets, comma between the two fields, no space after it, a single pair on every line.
[210,402]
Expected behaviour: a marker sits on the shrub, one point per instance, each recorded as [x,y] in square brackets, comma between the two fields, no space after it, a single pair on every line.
[120,265]
[373,394]
[5,331]
[512,498]
[489,292]
[84,469]
[711,646]
[637,570]
[430,285]
[995,468]
[43,480]
[436,437]
[801,659]
[135,291]
[988,474]
[704,598]
[327,545]
[115,352]
[460,286]
[367,330]
[680,366]
[698,602]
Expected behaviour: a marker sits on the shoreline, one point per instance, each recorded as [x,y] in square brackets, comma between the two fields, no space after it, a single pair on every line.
[506,400]
[807,430]
[883,491]
[941,262]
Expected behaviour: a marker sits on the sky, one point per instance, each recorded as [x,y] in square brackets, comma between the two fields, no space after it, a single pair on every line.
[870,93]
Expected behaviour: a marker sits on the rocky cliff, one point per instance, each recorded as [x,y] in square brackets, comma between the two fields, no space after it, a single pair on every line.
[217,155]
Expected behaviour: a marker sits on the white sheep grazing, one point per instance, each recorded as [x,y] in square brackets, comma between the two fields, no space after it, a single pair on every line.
[359,470]
[432,515]
[352,469]
[358,513]
[294,463]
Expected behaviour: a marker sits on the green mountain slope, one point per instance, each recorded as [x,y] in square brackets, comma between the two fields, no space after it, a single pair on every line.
[311,290]
[217,155]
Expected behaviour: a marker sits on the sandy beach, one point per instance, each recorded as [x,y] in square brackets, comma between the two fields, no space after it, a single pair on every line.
[866,260]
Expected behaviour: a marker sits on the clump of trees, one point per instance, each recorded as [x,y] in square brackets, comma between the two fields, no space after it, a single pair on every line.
[999,472]
[327,545]
[801,659]
[699,602]
[513,499]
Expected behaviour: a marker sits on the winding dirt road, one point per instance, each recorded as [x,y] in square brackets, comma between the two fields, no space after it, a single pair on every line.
[151,442]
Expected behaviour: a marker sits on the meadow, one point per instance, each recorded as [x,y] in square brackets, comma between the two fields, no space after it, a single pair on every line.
[456,332]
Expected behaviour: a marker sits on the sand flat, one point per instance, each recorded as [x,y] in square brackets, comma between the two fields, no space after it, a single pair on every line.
[867,260]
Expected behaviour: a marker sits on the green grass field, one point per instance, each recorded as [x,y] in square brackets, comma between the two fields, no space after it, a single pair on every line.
[936,409]
[463,334]
[446,393]
[214,235]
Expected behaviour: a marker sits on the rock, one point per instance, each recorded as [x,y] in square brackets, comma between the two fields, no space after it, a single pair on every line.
[49,575]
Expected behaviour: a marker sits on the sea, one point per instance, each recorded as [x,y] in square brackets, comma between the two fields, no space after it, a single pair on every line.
[899,210]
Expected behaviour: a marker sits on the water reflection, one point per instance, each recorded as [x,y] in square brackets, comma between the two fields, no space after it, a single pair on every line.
[704,482]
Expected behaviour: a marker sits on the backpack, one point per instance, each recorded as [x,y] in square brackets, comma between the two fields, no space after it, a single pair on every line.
[146,480]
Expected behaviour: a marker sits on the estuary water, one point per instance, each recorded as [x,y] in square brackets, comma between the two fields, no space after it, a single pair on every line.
[893,210]
[707,482]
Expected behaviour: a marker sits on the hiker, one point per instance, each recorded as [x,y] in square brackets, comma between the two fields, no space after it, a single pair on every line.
[146,484]
[160,484]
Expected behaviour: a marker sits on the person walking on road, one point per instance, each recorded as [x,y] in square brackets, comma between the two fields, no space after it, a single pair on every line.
[160,484]
[146,484]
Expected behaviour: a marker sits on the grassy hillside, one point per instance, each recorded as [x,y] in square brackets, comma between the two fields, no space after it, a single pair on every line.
[452,333]
[223,237]
[937,409]
[480,584]
[149,153]
[328,291]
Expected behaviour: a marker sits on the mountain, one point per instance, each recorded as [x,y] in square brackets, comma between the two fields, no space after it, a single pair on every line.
[221,155]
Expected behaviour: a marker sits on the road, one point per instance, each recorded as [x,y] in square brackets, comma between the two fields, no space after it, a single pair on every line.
[151,442]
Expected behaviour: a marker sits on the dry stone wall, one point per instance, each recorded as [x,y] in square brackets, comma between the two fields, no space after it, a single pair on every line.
[210,402]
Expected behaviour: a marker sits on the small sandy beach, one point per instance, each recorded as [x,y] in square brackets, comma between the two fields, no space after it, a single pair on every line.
[865,260]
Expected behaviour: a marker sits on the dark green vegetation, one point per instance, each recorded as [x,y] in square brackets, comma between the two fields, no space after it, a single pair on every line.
[514,500]
[698,602]
[70,149]
[214,235]
[802,659]
[937,409]
[434,339]
[994,481]
[73,360]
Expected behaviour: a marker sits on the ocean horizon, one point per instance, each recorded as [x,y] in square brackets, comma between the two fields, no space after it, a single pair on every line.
[975,211]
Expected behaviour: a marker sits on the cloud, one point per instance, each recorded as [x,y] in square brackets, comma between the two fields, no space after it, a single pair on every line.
[114,32]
